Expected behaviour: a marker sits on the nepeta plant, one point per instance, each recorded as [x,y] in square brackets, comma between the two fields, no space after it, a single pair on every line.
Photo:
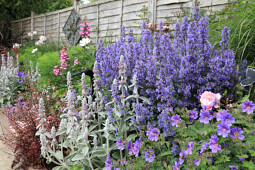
[87,136]
[171,72]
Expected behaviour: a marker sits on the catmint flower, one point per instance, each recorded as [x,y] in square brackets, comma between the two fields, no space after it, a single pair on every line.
[228,119]
[120,144]
[205,116]
[176,120]
[236,134]
[204,147]
[108,163]
[196,13]
[149,155]
[224,130]
[130,147]
[182,157]
[248,107]
[153,134]
[213,145]
[176,167]
[197,162]
[190,148]
[232,167]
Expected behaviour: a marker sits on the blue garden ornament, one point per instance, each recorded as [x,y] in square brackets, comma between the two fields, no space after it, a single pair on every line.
[250,77]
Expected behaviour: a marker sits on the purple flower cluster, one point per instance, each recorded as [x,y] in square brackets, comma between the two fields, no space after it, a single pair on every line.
[133,148]
[213,144]
[166,68]
[20,75]
[153,134]
[149,155]
[108,163]
[226,122]
[248,107]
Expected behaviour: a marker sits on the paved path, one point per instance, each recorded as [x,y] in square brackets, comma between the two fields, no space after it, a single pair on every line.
[6,153]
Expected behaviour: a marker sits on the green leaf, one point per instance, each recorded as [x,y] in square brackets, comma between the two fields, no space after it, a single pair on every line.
[116,155]
[76,167]
[249,165]
[78,157]
[132,136]
[58,155]
[166,153]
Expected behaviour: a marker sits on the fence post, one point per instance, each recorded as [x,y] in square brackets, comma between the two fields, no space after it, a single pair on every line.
[32,22]
[97,22]
[44,29]
[76,4]
[21,37]
[152,8]
[121,15]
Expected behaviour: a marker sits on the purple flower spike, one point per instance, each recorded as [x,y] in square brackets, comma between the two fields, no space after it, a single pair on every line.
[232,167]
[248,107]
[236,134]
[190,148]
[108,163]
[204,147]
[182,157]
[213,145]
[197,162]
[223,130]
[227,119]
[176,167]
[120,144]
[176,120]
[149,155]
[205,116]
[153,134]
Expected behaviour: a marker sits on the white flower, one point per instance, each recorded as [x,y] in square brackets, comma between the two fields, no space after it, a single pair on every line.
[84,41]
[34,50]
[30,34]
[39,42]
[16,45]
[43,38]
[34,32]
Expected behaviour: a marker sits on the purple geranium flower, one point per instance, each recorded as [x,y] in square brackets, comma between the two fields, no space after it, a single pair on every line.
[236,133]
[193,115]
[176,167]
[213,145]
[182,157]
[139,142]
[248,107]
[20,80]
[176,120]
[205,116]
[26,75]
[197,162]
[120,144]
[108,163]
[136,150]
[228,119]
[232,167]
[153,134]
[204,147]
[242,159]
[149,155]
[220,114]
[190,148]
[223,130]
[21,74]
[130,147]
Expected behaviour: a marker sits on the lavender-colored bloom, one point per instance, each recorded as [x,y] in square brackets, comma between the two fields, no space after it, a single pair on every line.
[190,148]
[176,120]
[177,166]
[205,116]
[248,107]
[25,75]
[228,119]
[130,147]
[116,132]
[220,114]
[232,167]
[225,144]
[136,150]
[149,155]
[197,162]
[213,144]
[153,134]
[120,144]
[108,163]
[196,13]
[20,80]
[139,142]
[236,134]
[242,159]
[224,130]
[193,115]
[204,147]
[182,157]
[21,74]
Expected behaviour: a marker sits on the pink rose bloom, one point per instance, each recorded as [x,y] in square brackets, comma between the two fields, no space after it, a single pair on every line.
[56,71]
[210,99]
[43,38]
[60,73]
[149,25]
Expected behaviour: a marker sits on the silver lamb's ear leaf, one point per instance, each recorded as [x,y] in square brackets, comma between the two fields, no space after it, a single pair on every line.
[247,82]
[250,73]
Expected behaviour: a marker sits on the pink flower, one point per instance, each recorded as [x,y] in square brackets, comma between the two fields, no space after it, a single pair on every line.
[43,38]
[56,71]
[76,61]
[60,73]
[210,100]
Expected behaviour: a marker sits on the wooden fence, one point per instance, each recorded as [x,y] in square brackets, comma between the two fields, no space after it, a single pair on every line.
[107,16]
